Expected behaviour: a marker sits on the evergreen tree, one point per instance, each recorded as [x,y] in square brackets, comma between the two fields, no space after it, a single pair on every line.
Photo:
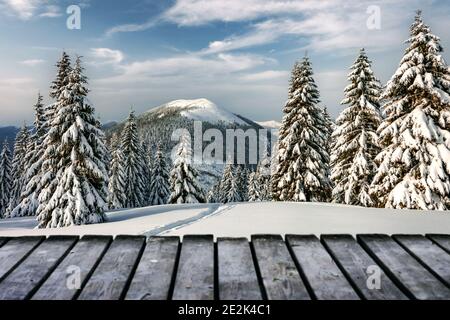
[160,186]
[414,165]
[185,187]
[18,168]
[116,186]
[330,126]
[303,162]
[214,194]
[33,162]
[356,145]
[241,176]
[254,188]
[134,165]
[78,152]
[263,176]
[5,178]
[230,189]
[46,174]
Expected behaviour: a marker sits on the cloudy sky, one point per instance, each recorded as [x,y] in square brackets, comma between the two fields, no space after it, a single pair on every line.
[237,53]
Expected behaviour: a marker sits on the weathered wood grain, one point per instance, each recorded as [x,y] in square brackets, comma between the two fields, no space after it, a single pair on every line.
[3,240]
[110,278]
[429,253]
[358,266]
[236,270]
[323,275]
[155,272]
[195,275]
[442,240]
[406,271]
[14,251]
[21,283]
[280,276]
[69,277]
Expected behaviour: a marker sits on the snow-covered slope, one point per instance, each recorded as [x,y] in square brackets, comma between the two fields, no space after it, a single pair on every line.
[245,219]
[200,110]
[271,124]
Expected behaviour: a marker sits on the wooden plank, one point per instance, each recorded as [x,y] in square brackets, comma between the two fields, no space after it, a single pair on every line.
[23,281]
[3,240]
[236,270]
[429,253]
[406,271]
[69,277]
[195,275]
[113,273]
[14,251]
[358,266]
[442,240]
[320,271]
[155,272]
[280,276]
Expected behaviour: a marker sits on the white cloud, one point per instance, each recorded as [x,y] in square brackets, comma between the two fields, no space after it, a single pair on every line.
[131,27]
[107,56]
[24,9]
[32,62]
[27,9]
[199,12]
[265,75]
[51,11]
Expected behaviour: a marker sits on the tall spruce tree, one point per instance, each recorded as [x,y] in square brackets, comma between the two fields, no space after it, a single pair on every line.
[5,178]
[77,147]
[46,174]
[254,188]
[116,186]
[160,182]
[18,168]
[303,162]
[355,137]
[213,195]
[33,161]
[184,184]
[263,176]
[414,165]
[230,186]
[133,165]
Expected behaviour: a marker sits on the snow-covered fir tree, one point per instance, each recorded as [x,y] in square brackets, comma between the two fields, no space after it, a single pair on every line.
[116,186]
[213,195]
[302,173]
[18,168]
[414,165]
[33,162]
[184,184]
[160,182]
[77,150]
[254,188]
[330,125]
[147,164]
[5,178]
[355,137]
[263,175]
[133,165]
[46,174]
[241,175]
[230,188]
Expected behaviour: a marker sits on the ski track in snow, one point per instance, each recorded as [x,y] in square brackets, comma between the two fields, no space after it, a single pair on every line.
[214,210]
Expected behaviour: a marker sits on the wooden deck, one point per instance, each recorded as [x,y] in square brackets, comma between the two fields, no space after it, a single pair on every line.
[267,267]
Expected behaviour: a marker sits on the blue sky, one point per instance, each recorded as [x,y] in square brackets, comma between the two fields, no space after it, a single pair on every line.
[237,53]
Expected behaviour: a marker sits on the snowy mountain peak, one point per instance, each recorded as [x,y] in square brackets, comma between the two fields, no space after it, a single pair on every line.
[201,110]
